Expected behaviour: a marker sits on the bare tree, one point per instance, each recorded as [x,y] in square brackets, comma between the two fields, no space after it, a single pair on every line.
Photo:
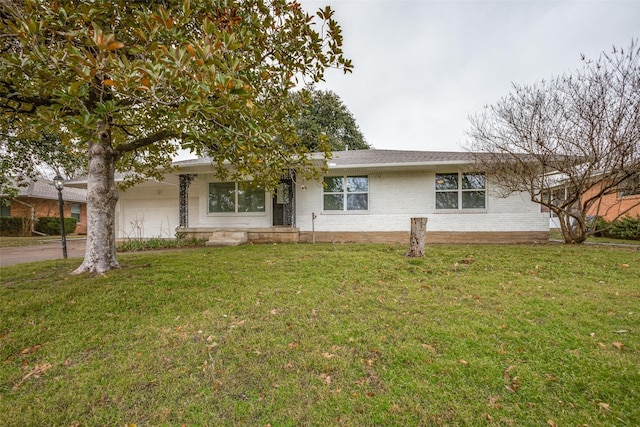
[559,138]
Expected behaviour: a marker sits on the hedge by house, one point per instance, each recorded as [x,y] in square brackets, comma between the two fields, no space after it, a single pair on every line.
[626,227]
[12,226]
[51,225]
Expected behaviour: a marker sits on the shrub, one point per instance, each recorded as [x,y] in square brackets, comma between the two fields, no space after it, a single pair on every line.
[15,226]
[135,245]
[626,227]
[51,225]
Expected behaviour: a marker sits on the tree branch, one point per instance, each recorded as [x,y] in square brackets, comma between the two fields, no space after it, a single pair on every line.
[145,141]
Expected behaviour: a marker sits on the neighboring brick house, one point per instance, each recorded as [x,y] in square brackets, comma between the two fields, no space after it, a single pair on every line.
[40,199]
[625,202]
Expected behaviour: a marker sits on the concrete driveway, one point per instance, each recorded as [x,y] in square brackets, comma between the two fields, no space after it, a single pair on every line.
[45,251]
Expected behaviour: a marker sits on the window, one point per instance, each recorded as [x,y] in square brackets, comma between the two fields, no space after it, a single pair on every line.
[235,197]
[75,211]
[346,193]
[461,191]
[5,210]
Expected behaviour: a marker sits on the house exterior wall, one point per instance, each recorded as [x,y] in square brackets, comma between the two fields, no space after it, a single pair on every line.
[146,211]
[394,198]
[48,208]
[612,206]
[200,187]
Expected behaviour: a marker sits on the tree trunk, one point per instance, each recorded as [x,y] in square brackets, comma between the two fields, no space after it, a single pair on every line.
[102,196]
[416,241]
[573,229]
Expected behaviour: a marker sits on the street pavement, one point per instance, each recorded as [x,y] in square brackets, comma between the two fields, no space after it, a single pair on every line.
[45,251]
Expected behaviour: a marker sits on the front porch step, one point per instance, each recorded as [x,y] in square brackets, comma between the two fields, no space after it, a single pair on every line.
[227,238]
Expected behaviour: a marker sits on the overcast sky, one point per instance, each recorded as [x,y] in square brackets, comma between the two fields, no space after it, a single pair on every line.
[422,67]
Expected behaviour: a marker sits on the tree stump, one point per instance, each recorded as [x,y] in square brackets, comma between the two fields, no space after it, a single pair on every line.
[416,241]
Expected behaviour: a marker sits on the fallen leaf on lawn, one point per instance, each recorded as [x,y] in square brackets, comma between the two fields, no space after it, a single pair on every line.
[35,372]
[493,402]
[604,405]
[429,347]
[625,265]
[602,345]
[463,362]
[618,345]
[325,378]
[30,349]
[550,377]
[328,355]
[552,423]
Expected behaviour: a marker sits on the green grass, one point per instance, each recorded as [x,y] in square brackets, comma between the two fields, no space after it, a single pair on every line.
[7,242]
[354,335]
[557,236]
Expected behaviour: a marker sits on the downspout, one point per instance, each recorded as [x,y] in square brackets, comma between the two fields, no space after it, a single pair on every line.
[33,217]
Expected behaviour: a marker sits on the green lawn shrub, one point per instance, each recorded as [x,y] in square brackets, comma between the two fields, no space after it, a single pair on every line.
[15,226]
[626,227]
[51,225]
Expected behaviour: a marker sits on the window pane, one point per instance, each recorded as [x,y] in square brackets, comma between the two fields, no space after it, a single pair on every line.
[250,198]
[447,200]
[473,200]
[222,197]
[446,181]
[473,181]
[333,184]
[333,202]
[357,184]
[357,202]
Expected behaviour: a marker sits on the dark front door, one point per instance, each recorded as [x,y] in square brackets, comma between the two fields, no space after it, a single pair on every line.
[283,204]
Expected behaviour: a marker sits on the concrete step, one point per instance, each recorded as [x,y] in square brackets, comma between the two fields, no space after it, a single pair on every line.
[227,238]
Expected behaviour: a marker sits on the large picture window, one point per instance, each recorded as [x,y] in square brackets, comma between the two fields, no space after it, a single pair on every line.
[346,193]
[461,191]
[235,197]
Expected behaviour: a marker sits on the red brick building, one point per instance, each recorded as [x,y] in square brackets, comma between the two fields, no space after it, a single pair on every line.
[40,199]
[625,202]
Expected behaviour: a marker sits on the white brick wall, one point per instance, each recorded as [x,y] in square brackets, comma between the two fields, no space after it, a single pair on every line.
[394,198]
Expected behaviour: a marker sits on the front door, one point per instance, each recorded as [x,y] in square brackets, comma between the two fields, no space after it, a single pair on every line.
[283,214]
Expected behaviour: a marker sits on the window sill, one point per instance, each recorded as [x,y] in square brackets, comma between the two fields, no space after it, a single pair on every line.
[236,214]
[460,211]
[344,213]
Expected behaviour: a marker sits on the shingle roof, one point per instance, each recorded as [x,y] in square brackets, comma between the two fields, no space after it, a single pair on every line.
[42,188]
[396,157]
[376,158]
[356,159]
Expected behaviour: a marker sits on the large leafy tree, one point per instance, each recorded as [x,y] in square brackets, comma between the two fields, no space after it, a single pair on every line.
[126,83]
[326,122]
[567,141]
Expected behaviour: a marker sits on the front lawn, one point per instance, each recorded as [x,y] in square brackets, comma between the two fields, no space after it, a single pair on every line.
[354,335]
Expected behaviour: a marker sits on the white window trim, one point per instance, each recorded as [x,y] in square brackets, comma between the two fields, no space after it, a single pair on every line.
[459,191]
[235,203]
[79,213]
[346,211]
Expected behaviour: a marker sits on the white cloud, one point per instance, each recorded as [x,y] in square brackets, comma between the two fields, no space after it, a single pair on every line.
[422,67]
